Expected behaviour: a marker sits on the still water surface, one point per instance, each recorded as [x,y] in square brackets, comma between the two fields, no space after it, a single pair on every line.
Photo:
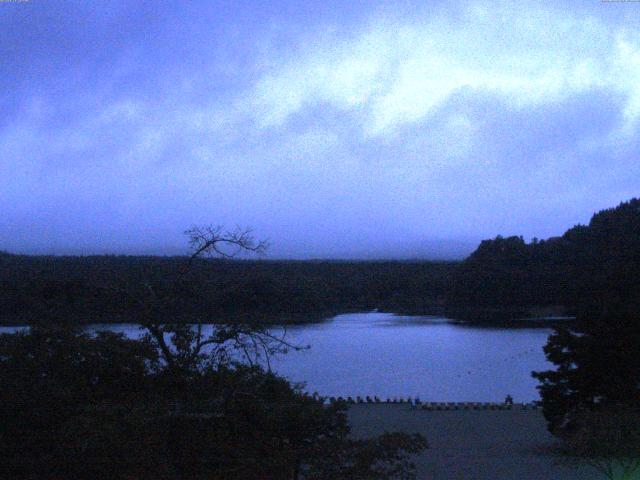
[391,356]
[388,355]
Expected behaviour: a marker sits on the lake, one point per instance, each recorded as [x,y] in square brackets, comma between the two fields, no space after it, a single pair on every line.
[398,356]
[429,357]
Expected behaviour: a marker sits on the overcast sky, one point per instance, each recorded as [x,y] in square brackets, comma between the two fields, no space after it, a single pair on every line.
[333,128]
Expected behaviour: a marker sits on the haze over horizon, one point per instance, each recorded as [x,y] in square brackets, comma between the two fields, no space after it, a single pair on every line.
[333,130]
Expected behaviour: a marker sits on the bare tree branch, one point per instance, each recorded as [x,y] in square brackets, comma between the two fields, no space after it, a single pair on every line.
[187,346]
[214,241]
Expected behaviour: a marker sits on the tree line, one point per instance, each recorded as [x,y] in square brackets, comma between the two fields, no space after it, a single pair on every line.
[587,269]
[505,278]
[591,398]
[89,289]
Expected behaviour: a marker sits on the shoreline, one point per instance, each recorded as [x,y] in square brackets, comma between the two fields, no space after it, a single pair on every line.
[532,322]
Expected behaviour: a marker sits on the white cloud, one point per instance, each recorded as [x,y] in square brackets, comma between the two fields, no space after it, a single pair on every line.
[344,74]
[627,73]
[398,72]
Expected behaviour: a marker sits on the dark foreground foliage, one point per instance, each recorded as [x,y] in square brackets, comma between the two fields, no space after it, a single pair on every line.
[597,367]
[176,403]
[608,439]
[591,399]
[93,407]
[598,359]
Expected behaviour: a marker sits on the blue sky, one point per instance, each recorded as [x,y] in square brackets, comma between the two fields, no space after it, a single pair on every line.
[335,129]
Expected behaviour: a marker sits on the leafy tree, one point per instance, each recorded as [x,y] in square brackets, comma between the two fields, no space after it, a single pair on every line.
[597,366]
[81,406]
[598,360]
[54,380]
[609,441]
[592,398]
[177,403]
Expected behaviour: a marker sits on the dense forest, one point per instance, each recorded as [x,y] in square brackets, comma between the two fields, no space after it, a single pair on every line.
[95,289]
[504,279]
[592,396]
[587,268]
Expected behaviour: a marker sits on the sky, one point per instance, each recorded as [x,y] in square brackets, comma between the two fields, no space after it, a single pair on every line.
[333,129]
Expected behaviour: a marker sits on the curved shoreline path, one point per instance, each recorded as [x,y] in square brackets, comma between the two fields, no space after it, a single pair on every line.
[474,444]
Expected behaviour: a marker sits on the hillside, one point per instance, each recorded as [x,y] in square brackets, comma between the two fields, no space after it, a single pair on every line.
[587,267]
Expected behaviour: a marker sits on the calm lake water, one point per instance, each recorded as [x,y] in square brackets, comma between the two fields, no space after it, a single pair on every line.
[388,355]
[391,356]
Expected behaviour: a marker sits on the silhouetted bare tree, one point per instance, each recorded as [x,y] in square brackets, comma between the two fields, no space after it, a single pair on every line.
[186,346]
